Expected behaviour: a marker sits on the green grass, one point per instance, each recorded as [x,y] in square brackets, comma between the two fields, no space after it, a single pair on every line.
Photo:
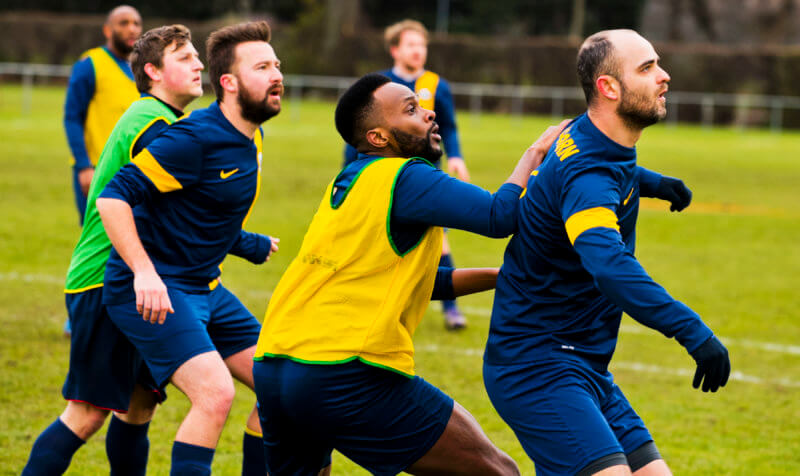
[733,256]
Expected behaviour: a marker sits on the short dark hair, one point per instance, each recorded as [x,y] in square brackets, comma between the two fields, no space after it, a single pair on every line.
[595,58]
[221,46]
[150,49]
[355,105]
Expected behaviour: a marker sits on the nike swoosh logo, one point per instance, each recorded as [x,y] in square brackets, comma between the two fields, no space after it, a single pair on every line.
[223,175]
[625,202]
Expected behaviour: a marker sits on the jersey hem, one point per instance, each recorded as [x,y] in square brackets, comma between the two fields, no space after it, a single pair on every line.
[268,355]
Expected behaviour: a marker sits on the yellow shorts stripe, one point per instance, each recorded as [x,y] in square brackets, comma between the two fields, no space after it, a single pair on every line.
[598,217]
[150,167]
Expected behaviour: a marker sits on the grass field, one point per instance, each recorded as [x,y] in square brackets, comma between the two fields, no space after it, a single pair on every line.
[734,256]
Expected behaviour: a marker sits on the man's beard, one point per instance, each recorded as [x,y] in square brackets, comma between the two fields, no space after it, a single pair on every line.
[413,146]
[120,44]
[635,111]
[253,110]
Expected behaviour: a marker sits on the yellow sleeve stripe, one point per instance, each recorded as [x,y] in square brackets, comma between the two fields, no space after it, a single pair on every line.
[598,217]
[144,129]
[162,179]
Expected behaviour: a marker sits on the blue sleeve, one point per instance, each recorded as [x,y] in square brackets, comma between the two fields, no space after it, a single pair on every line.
[446,118]
[254,247]
[79,93]
[425,195]
[129,185]
[616,272]
[648,182]
[443,286]
[147,136]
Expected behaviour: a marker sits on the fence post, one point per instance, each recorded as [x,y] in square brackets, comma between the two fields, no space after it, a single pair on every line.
[672,114]
[296,95]
[557,110]
[776,115]
[708,111]
[27,89]
[475,104]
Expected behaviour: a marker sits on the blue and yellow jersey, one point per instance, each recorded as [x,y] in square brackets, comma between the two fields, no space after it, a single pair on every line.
[570,270]
[434,94]
[351,292]
[101,87]
[192,190]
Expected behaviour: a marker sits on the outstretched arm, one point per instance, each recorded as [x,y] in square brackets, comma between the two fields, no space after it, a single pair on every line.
[429,197]
[673,190]
[451,283]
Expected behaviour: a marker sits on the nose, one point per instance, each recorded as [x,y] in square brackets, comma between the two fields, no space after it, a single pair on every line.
[277,76]
[664,77]
[429,115]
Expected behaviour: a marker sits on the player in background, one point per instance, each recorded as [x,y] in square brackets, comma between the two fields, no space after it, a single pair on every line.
[172,215]
[569,272]
[335,360]
[101,87]
[105,372]
[407,42]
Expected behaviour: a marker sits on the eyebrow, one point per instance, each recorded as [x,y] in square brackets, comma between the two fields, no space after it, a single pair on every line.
[648,63]
[410,98]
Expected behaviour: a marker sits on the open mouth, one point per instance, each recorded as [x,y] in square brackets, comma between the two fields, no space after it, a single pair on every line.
[275,92]
[434,133]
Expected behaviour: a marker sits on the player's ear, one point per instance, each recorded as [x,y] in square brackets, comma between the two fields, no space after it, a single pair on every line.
[608,87]
[228,83]
[378,137]
[152,72]
[107,31]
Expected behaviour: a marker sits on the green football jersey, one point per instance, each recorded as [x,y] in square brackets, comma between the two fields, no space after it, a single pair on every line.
[88,263]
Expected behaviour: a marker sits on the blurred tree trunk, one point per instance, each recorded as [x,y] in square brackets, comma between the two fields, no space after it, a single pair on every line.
[341,19]
[578,19]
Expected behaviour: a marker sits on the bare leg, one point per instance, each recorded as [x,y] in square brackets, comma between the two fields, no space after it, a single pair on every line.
[654,468]
[240,365]
[464,449]
[83,419]
[617,470]
[207,383]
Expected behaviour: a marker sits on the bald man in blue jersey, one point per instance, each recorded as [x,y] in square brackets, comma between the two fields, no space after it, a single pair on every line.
[570,272]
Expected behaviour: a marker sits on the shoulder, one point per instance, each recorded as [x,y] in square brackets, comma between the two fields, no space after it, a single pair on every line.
[83,67]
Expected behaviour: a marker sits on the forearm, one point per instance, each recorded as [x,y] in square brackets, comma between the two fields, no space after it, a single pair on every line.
[648,182]
[120,226]
[253,247]
[474,280]
[621,278]
[531,159]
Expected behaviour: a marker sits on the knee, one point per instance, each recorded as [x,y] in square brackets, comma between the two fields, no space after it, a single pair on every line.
[217,400]
[95,418]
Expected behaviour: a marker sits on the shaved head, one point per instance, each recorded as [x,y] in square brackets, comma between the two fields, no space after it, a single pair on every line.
[597,56]
[122,28]
[120,11]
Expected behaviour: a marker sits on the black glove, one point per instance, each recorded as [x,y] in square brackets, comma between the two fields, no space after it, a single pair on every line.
[674,191]
[713,364]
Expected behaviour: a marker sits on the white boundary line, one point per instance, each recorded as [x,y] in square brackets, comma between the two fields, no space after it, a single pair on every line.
[471,310]
[640,329]
[622,365]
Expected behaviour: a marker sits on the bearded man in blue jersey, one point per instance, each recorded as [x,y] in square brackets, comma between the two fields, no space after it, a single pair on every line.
[570,272]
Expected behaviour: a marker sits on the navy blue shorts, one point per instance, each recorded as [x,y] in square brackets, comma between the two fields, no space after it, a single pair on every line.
[379,419]
[564,413]
[202,322]
[103,365]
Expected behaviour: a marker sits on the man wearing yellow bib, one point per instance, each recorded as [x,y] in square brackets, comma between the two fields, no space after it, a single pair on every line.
[334,362]
[101,87]
[407,43]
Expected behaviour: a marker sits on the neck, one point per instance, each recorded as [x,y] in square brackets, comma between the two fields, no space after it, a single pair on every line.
[172,99]
[233,113]
[116,53]
[610,124]
[406,73]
